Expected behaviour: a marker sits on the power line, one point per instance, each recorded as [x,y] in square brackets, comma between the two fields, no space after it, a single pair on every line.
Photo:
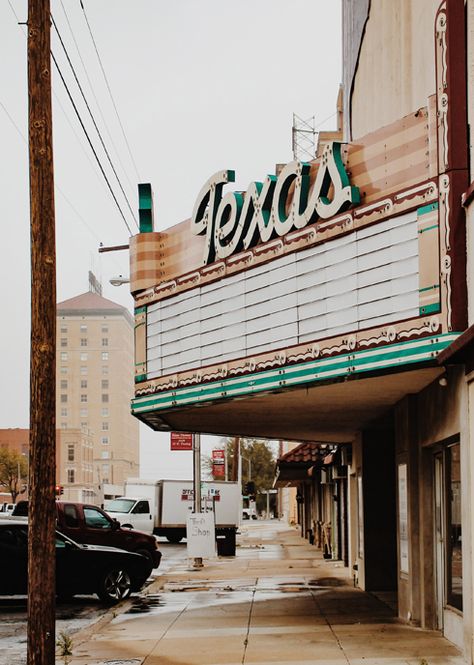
[60,190]
[110,91]
[90,142]
[85,132]
[93,120]
[91,87]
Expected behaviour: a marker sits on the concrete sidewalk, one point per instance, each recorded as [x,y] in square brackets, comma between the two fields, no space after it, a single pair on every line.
[277,602]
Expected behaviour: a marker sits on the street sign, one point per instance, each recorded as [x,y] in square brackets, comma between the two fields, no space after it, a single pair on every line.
[181,441]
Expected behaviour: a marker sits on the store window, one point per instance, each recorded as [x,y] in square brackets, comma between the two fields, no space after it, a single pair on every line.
[454,531]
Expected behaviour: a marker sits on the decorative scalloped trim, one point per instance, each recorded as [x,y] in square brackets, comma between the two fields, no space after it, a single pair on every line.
[389,335]
[430,189]
[432,326]
[386,205]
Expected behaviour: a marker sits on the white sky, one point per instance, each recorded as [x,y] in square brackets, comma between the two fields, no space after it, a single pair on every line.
[200,85]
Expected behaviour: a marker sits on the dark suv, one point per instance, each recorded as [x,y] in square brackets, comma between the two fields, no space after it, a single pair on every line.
[86,523]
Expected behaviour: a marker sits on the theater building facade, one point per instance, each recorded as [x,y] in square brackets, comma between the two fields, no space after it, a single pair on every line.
[325,304]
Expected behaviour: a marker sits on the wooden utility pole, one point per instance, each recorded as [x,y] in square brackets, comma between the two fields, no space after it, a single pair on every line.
[42,510]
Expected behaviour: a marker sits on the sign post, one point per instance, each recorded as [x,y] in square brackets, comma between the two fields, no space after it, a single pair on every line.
[197,488]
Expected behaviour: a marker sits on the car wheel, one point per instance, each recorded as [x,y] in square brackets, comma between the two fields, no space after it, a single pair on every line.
[115,585]
[174,538]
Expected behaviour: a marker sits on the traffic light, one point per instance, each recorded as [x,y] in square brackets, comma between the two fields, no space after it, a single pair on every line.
[59,490]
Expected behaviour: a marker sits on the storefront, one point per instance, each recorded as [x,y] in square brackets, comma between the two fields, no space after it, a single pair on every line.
[314,308]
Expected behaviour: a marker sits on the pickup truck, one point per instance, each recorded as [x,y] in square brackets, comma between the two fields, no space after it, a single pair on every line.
[89,524]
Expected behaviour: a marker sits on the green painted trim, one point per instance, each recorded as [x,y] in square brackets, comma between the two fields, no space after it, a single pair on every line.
[421,351]
[145,207]
[430,309]
[428,288]
[424,210]
[140,377]
[140,310]
[429,228]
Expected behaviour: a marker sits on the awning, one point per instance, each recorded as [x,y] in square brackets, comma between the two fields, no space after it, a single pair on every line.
[461,351]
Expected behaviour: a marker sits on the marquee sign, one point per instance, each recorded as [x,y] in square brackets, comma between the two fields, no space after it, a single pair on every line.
[238,220]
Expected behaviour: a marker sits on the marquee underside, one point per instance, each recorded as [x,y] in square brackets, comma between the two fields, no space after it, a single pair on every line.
[325,412]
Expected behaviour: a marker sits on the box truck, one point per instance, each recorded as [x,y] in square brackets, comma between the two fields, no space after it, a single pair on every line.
[160,507]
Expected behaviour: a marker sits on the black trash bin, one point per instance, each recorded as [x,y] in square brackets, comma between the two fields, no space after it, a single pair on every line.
[225,541]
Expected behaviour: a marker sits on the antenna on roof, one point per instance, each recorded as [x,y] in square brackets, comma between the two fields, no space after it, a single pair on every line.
[95,285]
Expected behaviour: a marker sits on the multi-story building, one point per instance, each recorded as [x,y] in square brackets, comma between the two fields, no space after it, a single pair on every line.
[94,384]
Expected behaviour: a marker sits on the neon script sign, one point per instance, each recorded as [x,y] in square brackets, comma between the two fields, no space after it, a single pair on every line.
[236,221]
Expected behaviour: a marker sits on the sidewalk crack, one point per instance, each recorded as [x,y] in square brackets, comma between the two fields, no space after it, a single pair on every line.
[249,621]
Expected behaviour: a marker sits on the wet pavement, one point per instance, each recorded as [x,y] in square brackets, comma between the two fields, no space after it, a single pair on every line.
[277,602]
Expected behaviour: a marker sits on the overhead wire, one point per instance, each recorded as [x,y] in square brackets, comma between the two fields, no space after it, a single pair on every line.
[76,110]
[93,119]
[110,91]
[20,25]
[91,87]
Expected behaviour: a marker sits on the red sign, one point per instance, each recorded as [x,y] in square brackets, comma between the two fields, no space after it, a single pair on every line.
[218,456]
[180,441]
[218,461]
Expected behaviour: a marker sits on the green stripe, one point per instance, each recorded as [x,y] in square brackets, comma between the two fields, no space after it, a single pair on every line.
[424,210]
[428,288]
[429,228]
[430,309]
[405,353]
[140,310]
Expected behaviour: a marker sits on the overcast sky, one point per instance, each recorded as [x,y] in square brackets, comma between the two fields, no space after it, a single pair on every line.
[199,85]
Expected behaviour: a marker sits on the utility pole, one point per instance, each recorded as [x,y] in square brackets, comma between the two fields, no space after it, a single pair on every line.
[42,512]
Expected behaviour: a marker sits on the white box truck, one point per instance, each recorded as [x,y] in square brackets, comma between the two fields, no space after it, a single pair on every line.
[161,506]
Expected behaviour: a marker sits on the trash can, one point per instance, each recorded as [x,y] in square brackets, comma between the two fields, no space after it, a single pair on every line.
[225,541]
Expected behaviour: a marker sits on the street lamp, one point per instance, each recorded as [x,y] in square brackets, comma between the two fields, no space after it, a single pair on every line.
[119,280]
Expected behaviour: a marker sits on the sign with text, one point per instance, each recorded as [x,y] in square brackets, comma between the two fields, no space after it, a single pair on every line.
[201,535]
[218,463]
[181,441]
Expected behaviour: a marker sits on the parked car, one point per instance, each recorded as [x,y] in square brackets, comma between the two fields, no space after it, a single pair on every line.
[109,572]
[89,524]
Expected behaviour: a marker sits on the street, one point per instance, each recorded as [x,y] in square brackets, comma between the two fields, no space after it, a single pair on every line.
[78,614]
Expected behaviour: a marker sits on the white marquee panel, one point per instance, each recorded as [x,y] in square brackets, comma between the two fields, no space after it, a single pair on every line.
[366,278]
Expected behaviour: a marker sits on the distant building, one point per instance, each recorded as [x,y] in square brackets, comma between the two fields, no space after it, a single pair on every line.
[94,374]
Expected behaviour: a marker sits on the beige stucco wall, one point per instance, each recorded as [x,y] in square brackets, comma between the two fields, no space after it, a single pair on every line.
[396,69]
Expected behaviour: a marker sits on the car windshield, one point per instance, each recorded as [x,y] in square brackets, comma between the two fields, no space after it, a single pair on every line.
[120,505]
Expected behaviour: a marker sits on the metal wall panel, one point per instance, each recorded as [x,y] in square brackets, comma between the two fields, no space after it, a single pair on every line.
[353,282]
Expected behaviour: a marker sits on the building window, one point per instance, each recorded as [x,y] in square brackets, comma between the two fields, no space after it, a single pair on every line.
[63,370]
[105,427]
[105,384]
[105,454]
[84,424]
[105,440]
[83,341]
[105,398]
[70,452]
[105,369]
[64,413]
[83,327]
[84,357]
[63,330]
[84,413]
[63,355]
[105,341]
[105,329]
[63,384]
[83,369]
[105,413]
[63,399]
[83,383]
[63,341]
[71,476]
[63,425]
[84,397]
[105,355]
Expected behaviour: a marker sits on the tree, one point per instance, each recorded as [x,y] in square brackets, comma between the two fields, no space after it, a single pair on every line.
[258,466]
[13,472]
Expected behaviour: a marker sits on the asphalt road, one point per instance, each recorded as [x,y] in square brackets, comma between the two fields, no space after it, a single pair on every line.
[71,616]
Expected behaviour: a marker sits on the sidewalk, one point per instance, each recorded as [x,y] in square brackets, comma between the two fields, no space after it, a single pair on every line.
[277,602]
